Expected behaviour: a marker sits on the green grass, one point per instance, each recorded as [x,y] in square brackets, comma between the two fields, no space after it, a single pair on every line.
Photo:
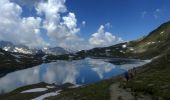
[17,95]
[155,80]
[97,91]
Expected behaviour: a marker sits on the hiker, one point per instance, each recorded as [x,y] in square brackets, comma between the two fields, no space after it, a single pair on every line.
[126,75]
[131,74]
[134,71]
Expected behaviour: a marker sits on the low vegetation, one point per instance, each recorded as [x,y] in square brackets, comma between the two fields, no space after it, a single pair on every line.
[154,79]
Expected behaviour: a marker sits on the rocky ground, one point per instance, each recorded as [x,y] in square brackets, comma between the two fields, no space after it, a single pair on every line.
[119,93]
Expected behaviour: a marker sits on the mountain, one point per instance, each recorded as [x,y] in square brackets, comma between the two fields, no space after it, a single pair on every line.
[157,42]
[9,46]
[55,51]
[154,44]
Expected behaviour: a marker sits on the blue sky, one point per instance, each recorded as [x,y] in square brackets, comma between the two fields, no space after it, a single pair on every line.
[130,19]
[79,24]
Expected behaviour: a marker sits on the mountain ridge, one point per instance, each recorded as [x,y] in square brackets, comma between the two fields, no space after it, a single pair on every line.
[20,48]
[156,42]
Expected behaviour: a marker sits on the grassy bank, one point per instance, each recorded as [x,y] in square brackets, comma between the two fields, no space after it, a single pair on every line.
[97,91]
[154,79]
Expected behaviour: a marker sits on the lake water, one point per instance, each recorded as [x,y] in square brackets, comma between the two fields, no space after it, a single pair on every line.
[77,72]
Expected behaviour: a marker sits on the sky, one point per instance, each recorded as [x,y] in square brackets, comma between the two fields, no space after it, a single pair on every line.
[79,24]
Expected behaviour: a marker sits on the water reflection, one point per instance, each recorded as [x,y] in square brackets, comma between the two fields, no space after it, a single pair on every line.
[76,72]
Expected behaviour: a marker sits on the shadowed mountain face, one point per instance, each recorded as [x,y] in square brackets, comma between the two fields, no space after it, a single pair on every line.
[14,61]
[157,42]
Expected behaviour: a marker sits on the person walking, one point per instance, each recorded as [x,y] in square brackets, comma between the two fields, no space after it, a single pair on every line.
[131,74]
[134,71]
[126,75]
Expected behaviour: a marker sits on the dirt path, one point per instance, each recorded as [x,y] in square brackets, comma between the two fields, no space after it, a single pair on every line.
[118,93]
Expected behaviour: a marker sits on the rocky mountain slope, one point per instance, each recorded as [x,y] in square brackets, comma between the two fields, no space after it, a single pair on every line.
[9,46]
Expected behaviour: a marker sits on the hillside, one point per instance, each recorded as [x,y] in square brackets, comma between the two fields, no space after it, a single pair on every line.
[157,42]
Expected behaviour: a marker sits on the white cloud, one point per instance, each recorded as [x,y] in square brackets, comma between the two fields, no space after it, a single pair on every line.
[156,13]
[25,2]
[70,22]
[16,29]
[144,13]
[52,16]
[102,38]
[83,23]
[62,30]
[157,10]
[108,25]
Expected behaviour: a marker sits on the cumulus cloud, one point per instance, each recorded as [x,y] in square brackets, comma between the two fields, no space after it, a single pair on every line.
[59,24]
[16,29]
[26,2]
[62,30]
[102,38]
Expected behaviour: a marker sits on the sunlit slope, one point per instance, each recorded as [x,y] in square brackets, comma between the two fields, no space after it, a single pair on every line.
[155,43]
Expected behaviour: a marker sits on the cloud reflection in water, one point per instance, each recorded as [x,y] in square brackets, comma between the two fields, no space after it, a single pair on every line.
[76,72]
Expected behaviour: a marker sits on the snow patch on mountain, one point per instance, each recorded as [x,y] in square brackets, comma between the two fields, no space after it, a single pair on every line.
[42,97]
[124,46]
[35,90]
